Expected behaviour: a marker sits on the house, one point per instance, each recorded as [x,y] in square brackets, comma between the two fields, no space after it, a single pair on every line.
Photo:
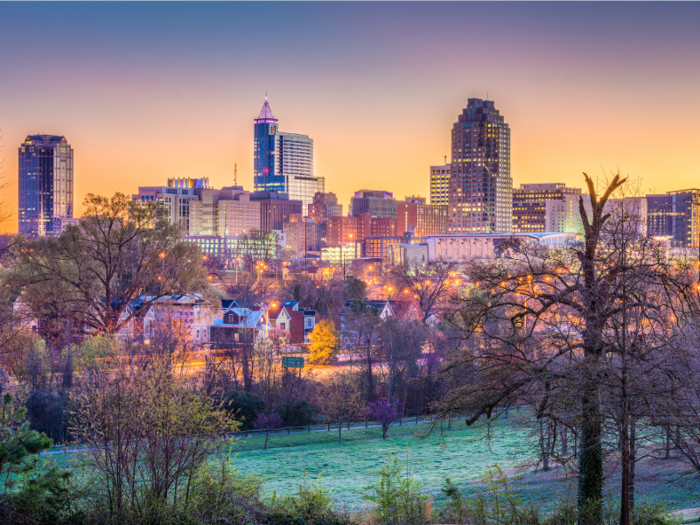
[288,317]
[189,314]
[237,326]
[404,310]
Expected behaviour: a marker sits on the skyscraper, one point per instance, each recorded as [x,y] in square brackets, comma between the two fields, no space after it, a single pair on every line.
[45,184]
[440,184]
[481,188]
[284,162]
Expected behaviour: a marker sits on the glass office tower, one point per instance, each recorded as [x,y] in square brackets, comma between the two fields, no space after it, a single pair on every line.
[45,184]
[266,177]
[481,188]
[284,162]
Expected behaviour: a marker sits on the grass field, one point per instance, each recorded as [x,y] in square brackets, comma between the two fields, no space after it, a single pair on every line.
[463,455]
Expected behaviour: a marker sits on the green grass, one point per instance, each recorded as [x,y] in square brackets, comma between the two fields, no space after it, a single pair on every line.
[463,455]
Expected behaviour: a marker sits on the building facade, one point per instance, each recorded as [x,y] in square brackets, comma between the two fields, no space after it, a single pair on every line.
[45,184]
[468,247]
[440,184]
[481,187]
[175,197]
[275,209]
[229,211]
[420,218]
[377,203]
[675,215]
[324,205]
[541,207]
[284,162]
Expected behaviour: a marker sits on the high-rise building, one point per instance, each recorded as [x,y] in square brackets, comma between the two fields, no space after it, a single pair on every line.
[284,162]
[175,197]
[440,184]
[377,203]
[675,215]
[45,184]
[275,209]
[541,207]
[421,219]
[481,188]
[325,205]
[229,211]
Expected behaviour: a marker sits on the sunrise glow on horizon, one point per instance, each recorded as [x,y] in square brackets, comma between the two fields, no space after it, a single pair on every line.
[147,92]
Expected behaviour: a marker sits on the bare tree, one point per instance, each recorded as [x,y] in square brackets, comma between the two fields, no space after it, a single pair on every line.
[361,339]
[119,254]
[542,323]
[429,284]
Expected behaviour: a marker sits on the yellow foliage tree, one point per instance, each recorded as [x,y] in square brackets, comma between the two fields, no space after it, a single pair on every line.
[324,343]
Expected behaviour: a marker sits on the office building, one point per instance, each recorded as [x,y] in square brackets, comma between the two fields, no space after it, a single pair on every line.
[324,205]
[380,247]
[301,235]
[420,218]
[440,184]
[45,184]
[377,203]
[275,209]
[341,229]
[541,207]
[483,246]
[342,254]
[481,187]
[284,162]
[175,197]
[675,215]
[229,211]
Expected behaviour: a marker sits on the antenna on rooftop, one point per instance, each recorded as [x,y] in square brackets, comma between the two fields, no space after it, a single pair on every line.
[235,174]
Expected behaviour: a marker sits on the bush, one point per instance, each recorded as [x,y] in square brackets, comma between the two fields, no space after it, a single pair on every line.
[47,413]
[299,414]
[397,498]
[312,505]
[244,407]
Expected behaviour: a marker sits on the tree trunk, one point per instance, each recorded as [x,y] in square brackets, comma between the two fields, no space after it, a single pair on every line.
[633,461]
[370,377]
[564,440]
[590,470]
[668,442]
[340,431]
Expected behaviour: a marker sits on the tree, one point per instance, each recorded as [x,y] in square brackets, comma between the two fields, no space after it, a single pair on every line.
[362,325]
[324,343]
[268,423]
[119,260]
[385,412]
[17,443]
[401,343]
[341,401]
[429,284]
[30,489]
[549,327]
[147,436]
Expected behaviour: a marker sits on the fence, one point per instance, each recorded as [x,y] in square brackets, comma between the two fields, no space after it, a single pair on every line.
[328,427]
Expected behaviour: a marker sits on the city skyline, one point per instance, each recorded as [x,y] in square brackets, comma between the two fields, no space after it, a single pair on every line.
[175,90]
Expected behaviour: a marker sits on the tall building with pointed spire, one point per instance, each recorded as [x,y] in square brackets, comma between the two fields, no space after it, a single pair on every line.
[284,162]
[481,187]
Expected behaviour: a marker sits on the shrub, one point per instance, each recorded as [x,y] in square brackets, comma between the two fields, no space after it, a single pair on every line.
[47,413]
[244,407]
[299,414]
[397,498]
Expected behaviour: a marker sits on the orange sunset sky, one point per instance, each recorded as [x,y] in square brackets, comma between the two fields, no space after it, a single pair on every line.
[144,92]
